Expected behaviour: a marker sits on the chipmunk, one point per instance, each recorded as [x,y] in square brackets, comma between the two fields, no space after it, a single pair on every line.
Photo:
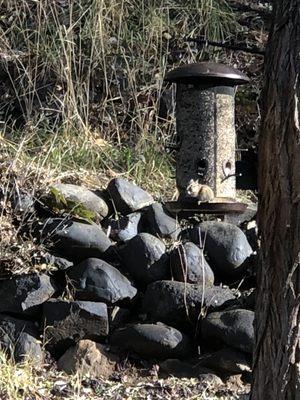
[202,192]
[196,190]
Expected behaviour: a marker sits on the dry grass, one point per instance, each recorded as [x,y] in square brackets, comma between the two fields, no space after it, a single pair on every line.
[83,81]
[26,381]
[17,381]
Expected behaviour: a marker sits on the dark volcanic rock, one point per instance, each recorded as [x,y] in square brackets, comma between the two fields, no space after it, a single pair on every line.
[76,240]
[67,322]
[23,294]
[81,195]
[152,341]
[225,244]
[189,265]
[217,297]
[125,228]
[127,197]
[239,219]
[145,258]
[227,360]
[20,339]
[179,303]
[160,223]
[96,280]
[232,327]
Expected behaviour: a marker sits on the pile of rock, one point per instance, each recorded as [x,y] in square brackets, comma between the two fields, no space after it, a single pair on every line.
[128,279]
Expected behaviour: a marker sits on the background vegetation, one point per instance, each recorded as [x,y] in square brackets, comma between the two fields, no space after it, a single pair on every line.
[82,82]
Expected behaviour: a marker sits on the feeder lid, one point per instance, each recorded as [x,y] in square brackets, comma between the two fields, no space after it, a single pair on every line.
[207,72]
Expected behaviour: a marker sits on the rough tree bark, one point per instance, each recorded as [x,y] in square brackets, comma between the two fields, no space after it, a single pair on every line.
[276,363]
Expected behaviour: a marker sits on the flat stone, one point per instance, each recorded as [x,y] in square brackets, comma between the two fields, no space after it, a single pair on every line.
[81,195]
[231,327]
[68,322]
[152,341]
[124,228]
[226,245]
[96,280]
[88,358]
[227,361]
[20,339]
[179,304]
[25,293]
[128,197]
[75,240]
[146,259]
[160,223]
[188,264]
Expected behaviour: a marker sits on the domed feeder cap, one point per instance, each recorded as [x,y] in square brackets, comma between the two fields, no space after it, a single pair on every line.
[207,73]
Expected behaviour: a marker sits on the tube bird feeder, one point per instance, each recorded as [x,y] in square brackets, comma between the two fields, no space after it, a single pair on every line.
[205,125]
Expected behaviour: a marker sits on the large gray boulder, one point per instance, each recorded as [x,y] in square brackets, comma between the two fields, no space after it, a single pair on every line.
[128,197]
[145,258]
[188,264]
[25,293]
[20,339]
[124,228]
[180,304]
[226,245]
[96,280]
[79,195]
[75,240]
[231,327]
[67,322]
[152,341]
[160,224]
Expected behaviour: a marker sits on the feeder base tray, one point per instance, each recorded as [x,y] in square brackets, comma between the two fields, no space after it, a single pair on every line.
[189,209]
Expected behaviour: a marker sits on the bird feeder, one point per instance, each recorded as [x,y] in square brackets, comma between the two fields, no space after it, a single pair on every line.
[205,124]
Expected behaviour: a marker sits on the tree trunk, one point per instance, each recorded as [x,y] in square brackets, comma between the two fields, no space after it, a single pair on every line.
[276,363]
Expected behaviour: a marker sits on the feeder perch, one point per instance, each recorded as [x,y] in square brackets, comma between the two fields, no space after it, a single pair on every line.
[205,125]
